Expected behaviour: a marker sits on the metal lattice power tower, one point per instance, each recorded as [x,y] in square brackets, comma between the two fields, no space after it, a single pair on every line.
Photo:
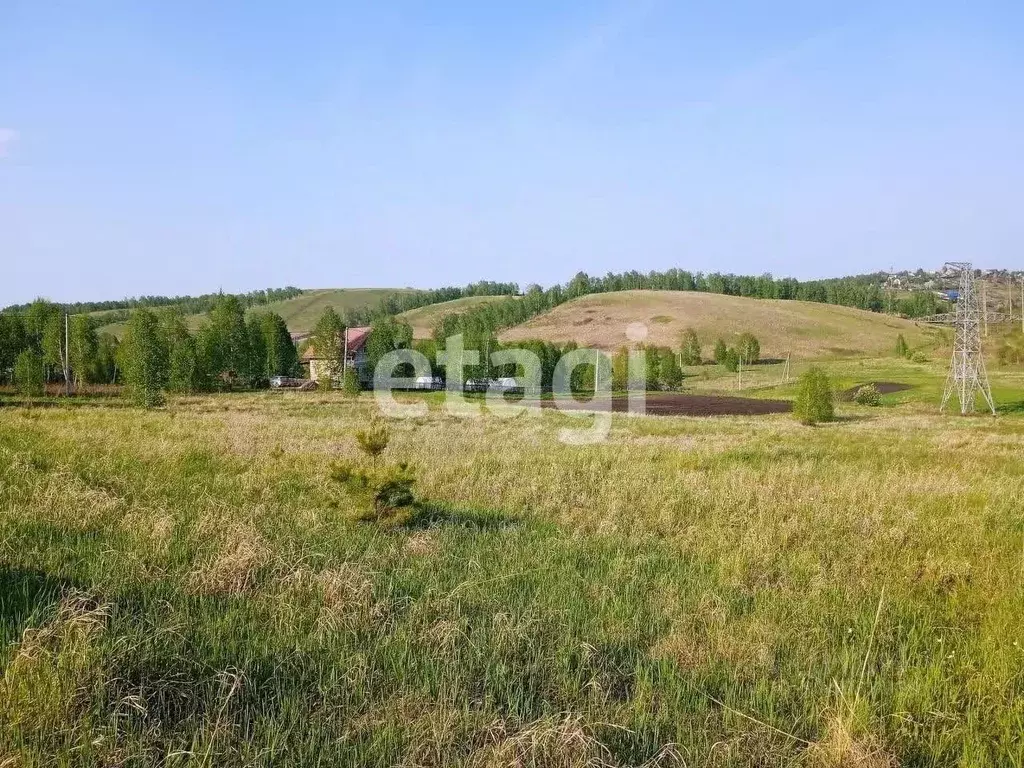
[967,376]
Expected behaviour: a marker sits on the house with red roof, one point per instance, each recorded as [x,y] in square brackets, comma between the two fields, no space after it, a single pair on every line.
[351,354]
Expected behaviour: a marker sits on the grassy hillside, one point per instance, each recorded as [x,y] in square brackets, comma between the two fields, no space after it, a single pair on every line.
[301,312]
[804,328]
[424,319]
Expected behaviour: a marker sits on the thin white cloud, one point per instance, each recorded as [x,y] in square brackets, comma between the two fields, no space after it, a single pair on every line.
[7,137]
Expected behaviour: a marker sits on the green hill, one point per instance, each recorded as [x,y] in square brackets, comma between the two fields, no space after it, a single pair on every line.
[425,318]
[300,312]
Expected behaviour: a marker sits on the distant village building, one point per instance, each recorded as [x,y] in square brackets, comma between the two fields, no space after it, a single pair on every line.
[352,348]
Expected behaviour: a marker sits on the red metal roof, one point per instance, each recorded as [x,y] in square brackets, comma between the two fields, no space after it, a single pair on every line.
[356,341]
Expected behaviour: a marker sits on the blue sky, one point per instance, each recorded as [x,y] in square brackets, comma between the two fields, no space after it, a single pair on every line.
[163,148]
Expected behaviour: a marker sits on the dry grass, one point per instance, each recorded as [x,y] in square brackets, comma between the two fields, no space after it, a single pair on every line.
[692,592]
[807,329]
[241,553]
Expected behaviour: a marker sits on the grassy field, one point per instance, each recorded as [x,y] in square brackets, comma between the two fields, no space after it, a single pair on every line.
[187,586]
[424,319]
[804,329]
[300,312]
[926,379]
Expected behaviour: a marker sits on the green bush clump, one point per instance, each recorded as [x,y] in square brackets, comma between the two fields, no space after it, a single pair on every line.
[814,398]
[867,395]
[350,382]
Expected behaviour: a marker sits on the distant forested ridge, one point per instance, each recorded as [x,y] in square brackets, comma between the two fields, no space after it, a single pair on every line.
[187,305]
[392,304]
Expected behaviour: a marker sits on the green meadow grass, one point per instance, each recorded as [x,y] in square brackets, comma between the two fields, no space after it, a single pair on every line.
[187,586]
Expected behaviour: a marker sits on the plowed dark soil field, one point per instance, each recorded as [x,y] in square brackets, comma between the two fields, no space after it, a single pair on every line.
[677,404]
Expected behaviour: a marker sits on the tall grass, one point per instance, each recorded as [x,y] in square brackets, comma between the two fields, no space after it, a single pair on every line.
[188,587]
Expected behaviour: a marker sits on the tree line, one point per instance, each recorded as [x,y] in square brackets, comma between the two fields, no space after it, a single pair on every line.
[118,310]
[157,353]
[45,347]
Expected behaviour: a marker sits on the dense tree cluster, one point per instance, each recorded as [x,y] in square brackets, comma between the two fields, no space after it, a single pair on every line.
[40,331]
[158,352]
[746,352]
[921,304]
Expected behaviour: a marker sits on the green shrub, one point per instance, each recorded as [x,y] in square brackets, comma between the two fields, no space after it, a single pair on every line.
[814,398]
[867,395]
[918,357]
[350,382]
